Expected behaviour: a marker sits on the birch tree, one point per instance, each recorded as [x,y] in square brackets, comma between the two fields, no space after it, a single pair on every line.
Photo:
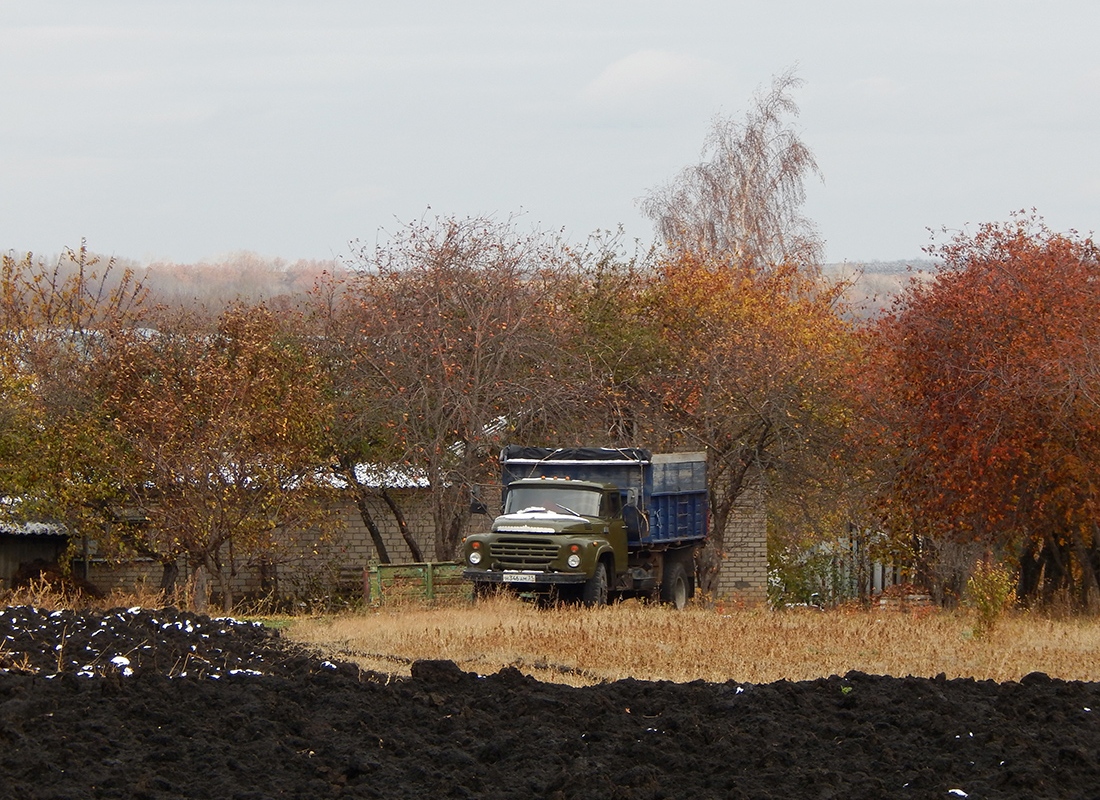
[744,199]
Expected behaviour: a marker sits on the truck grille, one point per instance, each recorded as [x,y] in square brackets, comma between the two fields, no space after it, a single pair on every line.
[523,553]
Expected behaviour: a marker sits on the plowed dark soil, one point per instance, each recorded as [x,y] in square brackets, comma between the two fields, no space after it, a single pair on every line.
[242,714]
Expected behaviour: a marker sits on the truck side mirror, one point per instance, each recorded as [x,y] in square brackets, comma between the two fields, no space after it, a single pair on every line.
[478,507]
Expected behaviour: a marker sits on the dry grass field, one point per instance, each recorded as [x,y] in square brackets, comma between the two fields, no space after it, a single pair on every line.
[581,646]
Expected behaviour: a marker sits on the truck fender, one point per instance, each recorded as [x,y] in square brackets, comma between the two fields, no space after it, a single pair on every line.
[605,552]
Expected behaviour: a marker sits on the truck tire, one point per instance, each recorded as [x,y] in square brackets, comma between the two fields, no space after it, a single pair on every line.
[676,588]
[595,588]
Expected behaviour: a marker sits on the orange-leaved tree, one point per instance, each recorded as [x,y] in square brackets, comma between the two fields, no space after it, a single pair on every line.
[753,343]
[995,377]
[753,368]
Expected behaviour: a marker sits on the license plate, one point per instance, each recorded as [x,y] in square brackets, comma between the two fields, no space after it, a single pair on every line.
[519,577]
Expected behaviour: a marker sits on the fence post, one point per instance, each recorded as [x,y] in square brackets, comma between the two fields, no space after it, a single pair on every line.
[429,581]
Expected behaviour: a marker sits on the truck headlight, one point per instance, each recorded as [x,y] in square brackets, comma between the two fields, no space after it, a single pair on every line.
[574,561]
[474,557]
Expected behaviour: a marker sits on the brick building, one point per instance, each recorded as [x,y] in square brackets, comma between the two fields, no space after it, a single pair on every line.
[330,558]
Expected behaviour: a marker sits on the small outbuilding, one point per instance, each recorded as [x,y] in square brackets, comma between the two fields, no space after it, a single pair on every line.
[27,543]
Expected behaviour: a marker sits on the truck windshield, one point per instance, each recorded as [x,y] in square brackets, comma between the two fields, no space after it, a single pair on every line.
[558,499]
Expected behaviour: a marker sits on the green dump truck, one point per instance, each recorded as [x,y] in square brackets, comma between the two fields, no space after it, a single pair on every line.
[589,523]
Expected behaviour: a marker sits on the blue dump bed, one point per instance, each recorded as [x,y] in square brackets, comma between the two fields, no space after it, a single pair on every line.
[670,487]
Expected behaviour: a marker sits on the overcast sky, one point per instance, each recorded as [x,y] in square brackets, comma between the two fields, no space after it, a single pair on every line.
[186,131]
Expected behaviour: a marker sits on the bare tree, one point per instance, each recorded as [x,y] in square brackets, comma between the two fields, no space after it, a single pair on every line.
[362,440]
[744,199]
[459,324]
[612,342]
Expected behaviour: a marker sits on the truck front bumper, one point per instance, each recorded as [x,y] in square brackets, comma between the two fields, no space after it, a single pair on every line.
[519,577]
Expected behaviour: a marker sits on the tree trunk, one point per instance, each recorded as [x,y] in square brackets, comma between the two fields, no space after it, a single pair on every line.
[225,585]
[403,526]
[1092,558]
[368,520]
[227,598]
[923,574]
[347,473]
[200,596]
[169,573]
[708,569]
[1054,568]
[1031,568]
[452,506]
[454,535]
[1090,589]
[222,578]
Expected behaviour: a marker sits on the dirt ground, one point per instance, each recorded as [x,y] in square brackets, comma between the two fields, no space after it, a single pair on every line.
[161,704]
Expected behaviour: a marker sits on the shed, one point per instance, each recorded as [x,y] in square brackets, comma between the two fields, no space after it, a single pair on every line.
[22,543]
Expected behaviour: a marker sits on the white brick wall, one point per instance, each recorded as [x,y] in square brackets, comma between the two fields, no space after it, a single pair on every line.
[307,563]
[743,561]
[332,556]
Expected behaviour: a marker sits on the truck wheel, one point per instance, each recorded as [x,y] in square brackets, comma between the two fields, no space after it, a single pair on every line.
[675,587]
[595,588]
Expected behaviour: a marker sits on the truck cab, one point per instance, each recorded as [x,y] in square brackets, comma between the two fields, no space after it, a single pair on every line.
[554,533]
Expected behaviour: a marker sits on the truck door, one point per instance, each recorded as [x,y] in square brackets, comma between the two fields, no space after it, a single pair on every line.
[612,511]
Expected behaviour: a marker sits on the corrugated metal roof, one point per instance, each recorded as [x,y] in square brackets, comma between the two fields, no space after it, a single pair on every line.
[376,476]
[33,529]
